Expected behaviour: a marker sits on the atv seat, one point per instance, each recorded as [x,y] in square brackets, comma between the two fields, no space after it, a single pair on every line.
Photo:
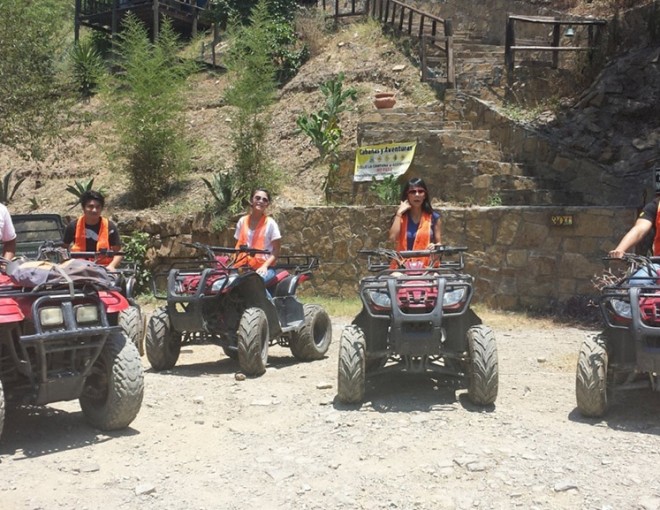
[280,275]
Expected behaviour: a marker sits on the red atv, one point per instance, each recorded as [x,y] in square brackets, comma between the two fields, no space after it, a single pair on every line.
[59,340]
[210,299]
[626,354]
[416,318]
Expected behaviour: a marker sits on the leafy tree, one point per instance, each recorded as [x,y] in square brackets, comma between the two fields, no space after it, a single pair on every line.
[34,96]
[323,127]
[146,105]
[252,89]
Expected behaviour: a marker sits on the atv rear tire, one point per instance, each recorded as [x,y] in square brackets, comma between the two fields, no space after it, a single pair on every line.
[591,377]
[253,340]
[2,409]
[162,344]
[483,371]
[130,321]
[113,391]
[352,366]
[312,340]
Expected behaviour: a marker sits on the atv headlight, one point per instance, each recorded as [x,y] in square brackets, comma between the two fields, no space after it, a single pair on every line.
[621,308]
[86,314]
[453,297]
[51,316]
[380,300]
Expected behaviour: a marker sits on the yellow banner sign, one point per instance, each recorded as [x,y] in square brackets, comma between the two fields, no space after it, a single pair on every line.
[382,160]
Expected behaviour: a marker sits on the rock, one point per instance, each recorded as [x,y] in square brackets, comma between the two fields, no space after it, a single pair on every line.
[398,67]
[324,386]
[144,488]
[239,376]
[564,486]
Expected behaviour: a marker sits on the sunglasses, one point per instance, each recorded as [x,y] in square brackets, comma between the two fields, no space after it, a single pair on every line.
[261,199]
[417,191]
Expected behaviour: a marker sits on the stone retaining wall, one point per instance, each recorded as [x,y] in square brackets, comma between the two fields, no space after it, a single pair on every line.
[520,259]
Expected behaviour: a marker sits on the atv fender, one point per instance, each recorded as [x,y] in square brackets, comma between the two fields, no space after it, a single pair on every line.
[113,301]
[10,311]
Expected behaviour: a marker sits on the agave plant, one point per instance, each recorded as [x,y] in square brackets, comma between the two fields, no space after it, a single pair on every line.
[5,195]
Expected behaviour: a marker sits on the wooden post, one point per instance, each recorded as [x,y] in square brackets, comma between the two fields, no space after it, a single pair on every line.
[401,16]
[410,19]
[155,27]
[556,33]
[76,23]
[509,42]
[114,29]
[421,25]
[393,13]
[215,41]
[449,49]
[336,11]
[195,19]
[422,56]
[434,28]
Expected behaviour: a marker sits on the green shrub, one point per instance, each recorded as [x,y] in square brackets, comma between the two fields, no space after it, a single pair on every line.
[146,103]
[135,248]
[6,195]
[251,91]
[86,66]
[387,190]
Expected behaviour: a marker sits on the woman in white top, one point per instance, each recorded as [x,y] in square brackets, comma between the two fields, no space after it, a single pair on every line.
[259,231]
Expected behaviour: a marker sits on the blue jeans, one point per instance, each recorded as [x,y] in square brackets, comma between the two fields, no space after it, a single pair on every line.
[642,278]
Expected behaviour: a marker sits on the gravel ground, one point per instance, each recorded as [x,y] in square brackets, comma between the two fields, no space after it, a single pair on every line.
[205,440]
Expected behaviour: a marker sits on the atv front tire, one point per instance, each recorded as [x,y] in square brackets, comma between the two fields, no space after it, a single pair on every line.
[591,377]
[113,391]
[312,340]
[483,371]
[130,321]
[352,366]
[253,340]
[162,344]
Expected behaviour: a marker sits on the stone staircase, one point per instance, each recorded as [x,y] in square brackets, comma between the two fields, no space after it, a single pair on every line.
[462,164]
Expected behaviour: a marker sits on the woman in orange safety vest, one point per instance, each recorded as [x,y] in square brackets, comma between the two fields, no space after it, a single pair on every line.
[416,226]
[259,231]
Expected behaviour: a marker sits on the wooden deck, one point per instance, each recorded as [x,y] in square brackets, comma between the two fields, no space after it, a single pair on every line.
[105,15]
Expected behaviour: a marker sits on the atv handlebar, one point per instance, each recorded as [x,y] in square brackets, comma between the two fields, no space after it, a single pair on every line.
[212,250]
[384,256]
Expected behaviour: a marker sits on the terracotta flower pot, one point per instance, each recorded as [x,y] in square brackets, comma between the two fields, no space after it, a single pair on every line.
[384,100]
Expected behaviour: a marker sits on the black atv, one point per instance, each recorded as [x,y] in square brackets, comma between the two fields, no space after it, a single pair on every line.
[416,318]
[626,354]
[210,299]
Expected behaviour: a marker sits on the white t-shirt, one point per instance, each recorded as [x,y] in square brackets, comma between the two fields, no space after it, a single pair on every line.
[272,232]
[6,225]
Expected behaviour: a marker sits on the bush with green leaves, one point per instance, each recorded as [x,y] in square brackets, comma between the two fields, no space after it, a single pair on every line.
[6,195]
[146,103]
[251,91]
[79,187]
[388,190]
[87,66]
[323,127]
[35,95]
[135,248]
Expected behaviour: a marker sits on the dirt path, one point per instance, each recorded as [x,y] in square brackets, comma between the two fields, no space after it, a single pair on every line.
[204,440]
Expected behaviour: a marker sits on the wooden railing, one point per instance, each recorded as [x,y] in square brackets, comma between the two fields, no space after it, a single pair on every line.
[594,30]
[431,30]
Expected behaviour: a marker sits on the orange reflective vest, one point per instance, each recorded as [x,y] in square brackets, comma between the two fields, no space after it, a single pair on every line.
[258,243]
[656,240]
[103,242]
[422,237]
